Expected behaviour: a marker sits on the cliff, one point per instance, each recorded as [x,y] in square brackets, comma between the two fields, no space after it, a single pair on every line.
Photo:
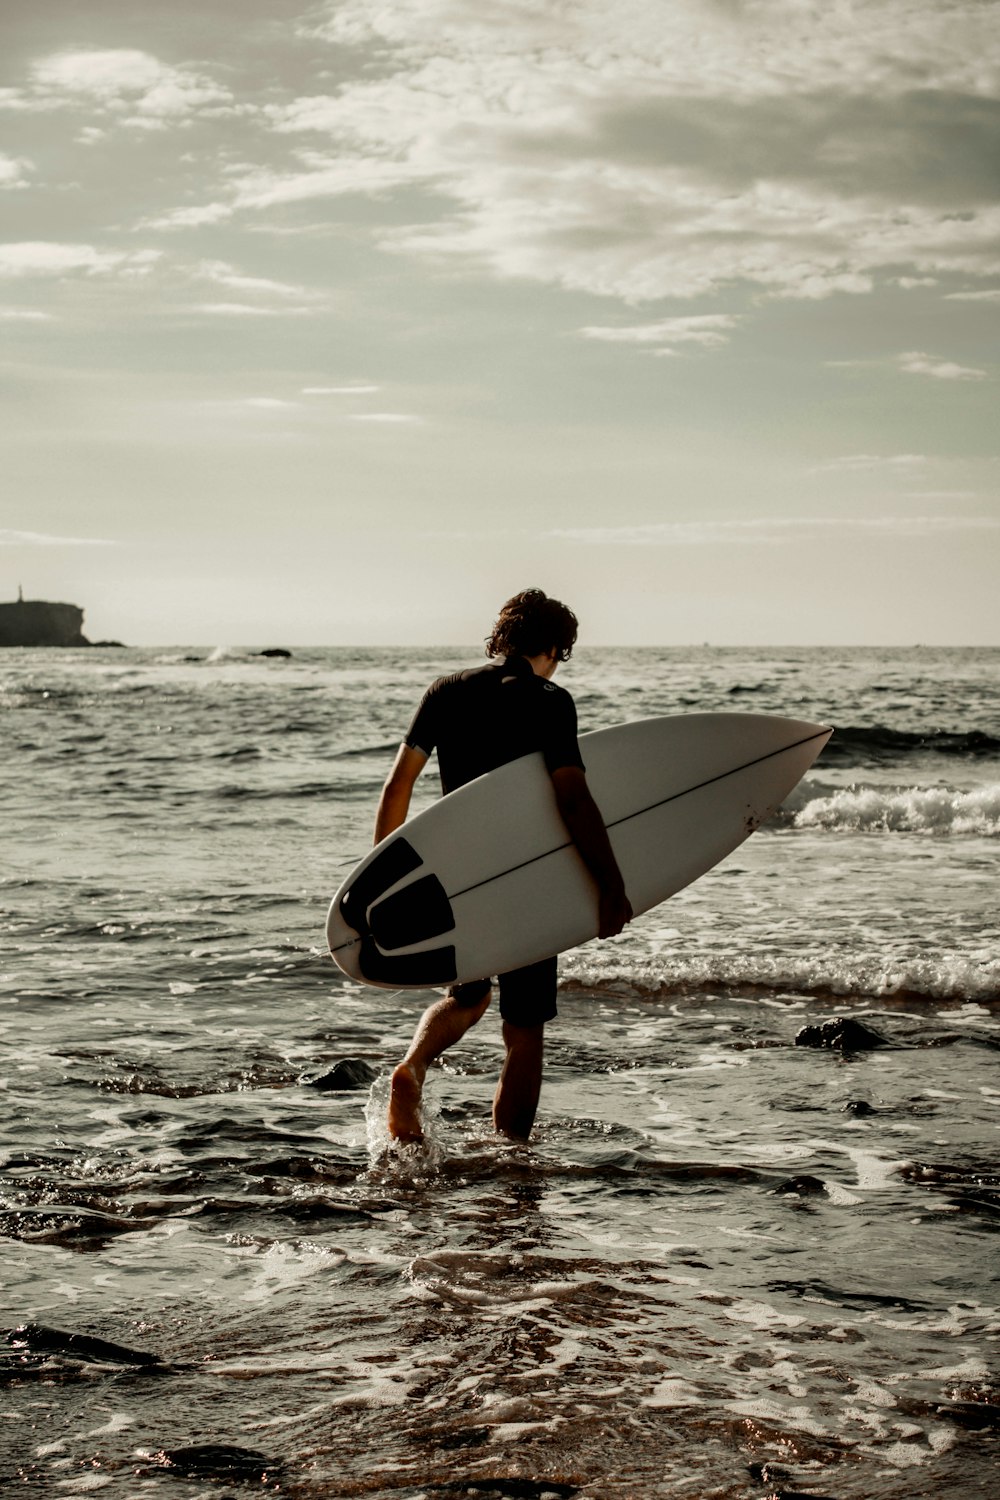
[35,622]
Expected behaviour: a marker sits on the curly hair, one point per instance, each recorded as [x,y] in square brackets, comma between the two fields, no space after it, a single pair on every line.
[531,623]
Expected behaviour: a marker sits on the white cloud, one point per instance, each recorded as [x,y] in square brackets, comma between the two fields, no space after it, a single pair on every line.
[9,538]
[768,48]
[339,390]
[190,218]
[249,310]
[324,177]
[24,315]
[400,418]
[770,531]
[991,295]
[269,403]
[128,85]
[14,171]
[857,463]
[51,258]
[224,274]
[564,136]
[916,363]
[707,330]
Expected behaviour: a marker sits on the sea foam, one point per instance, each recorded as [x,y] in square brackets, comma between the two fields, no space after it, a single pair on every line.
[933,810]
[823,972]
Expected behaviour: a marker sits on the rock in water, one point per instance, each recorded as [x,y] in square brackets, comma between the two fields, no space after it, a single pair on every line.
[218,1461]
[36,1338]
[843,1034]
[350,1073]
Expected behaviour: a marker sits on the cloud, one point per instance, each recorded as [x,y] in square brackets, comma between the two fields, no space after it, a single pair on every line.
[399,418]
[123,85]
[272,298]
[859,463]
[190,218]
[339,390]
[939,369]
[708,331]
[324,177]
[224,274]
[14,171]
[24,315]
[26,258]
[990,295]
[645,151]
[249,310]
[695,48]
[770,531]
[9,538]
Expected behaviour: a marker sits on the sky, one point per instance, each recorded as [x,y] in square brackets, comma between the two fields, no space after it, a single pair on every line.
[340,323]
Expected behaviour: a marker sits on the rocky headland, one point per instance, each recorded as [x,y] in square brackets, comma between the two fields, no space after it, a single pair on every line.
[37,622]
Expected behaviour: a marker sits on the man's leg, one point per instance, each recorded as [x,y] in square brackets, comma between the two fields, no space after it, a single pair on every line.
[527,1001]
[516,1099]
[440,1027]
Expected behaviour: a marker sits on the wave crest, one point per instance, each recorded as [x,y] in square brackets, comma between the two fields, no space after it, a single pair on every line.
[932,810]
[826,974]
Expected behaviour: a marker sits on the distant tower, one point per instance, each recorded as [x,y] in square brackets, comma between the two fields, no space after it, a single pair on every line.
[20,594]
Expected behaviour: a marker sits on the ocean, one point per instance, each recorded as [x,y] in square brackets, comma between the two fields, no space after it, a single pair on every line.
[751,1249]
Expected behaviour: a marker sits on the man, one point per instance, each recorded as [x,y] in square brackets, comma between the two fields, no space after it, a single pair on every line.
[478,720]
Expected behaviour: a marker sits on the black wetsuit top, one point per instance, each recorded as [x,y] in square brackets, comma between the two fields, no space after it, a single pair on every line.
[484,717]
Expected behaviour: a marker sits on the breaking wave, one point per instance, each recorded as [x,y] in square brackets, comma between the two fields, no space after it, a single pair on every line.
[822,975]
[927,810]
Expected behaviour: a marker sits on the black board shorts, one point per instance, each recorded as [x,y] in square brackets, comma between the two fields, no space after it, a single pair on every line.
[527,996]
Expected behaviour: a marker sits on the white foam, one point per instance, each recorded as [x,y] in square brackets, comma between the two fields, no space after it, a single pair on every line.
[938,810]
[675,1392]
[759,1315]
[828,971]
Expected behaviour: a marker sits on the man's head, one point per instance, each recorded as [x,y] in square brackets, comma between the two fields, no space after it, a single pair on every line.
[532,624]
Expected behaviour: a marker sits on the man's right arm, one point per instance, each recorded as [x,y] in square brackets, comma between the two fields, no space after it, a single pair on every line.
[394,802]
[582,817]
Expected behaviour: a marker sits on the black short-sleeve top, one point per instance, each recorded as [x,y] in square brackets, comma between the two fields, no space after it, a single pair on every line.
[486,716]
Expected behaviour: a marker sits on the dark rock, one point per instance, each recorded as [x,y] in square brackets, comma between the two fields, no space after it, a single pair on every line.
[278,651]
[36,1338]
[218,1461]
[315,1210]
[858,1107]
[349,1074]
[798,1495]
[974,1415]
[768,1473]
[843,1034]
[36,622]
[803,1186]
[120,645]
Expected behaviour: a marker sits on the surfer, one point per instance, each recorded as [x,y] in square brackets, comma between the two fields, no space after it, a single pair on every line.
[478,720]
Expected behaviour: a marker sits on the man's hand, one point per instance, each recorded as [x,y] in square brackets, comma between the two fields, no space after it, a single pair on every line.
[614,911]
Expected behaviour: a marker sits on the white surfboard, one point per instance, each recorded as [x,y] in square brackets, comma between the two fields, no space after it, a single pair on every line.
[487,879]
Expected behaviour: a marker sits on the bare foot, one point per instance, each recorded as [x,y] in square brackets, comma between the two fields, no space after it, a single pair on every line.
[404,1106]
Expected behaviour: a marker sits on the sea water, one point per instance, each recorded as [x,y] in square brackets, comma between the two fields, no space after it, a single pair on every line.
[727,1264]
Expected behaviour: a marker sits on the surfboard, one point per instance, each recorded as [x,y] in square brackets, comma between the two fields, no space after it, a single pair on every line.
[488,879]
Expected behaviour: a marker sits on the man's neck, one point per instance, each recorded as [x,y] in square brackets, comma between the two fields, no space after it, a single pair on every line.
[543,665]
